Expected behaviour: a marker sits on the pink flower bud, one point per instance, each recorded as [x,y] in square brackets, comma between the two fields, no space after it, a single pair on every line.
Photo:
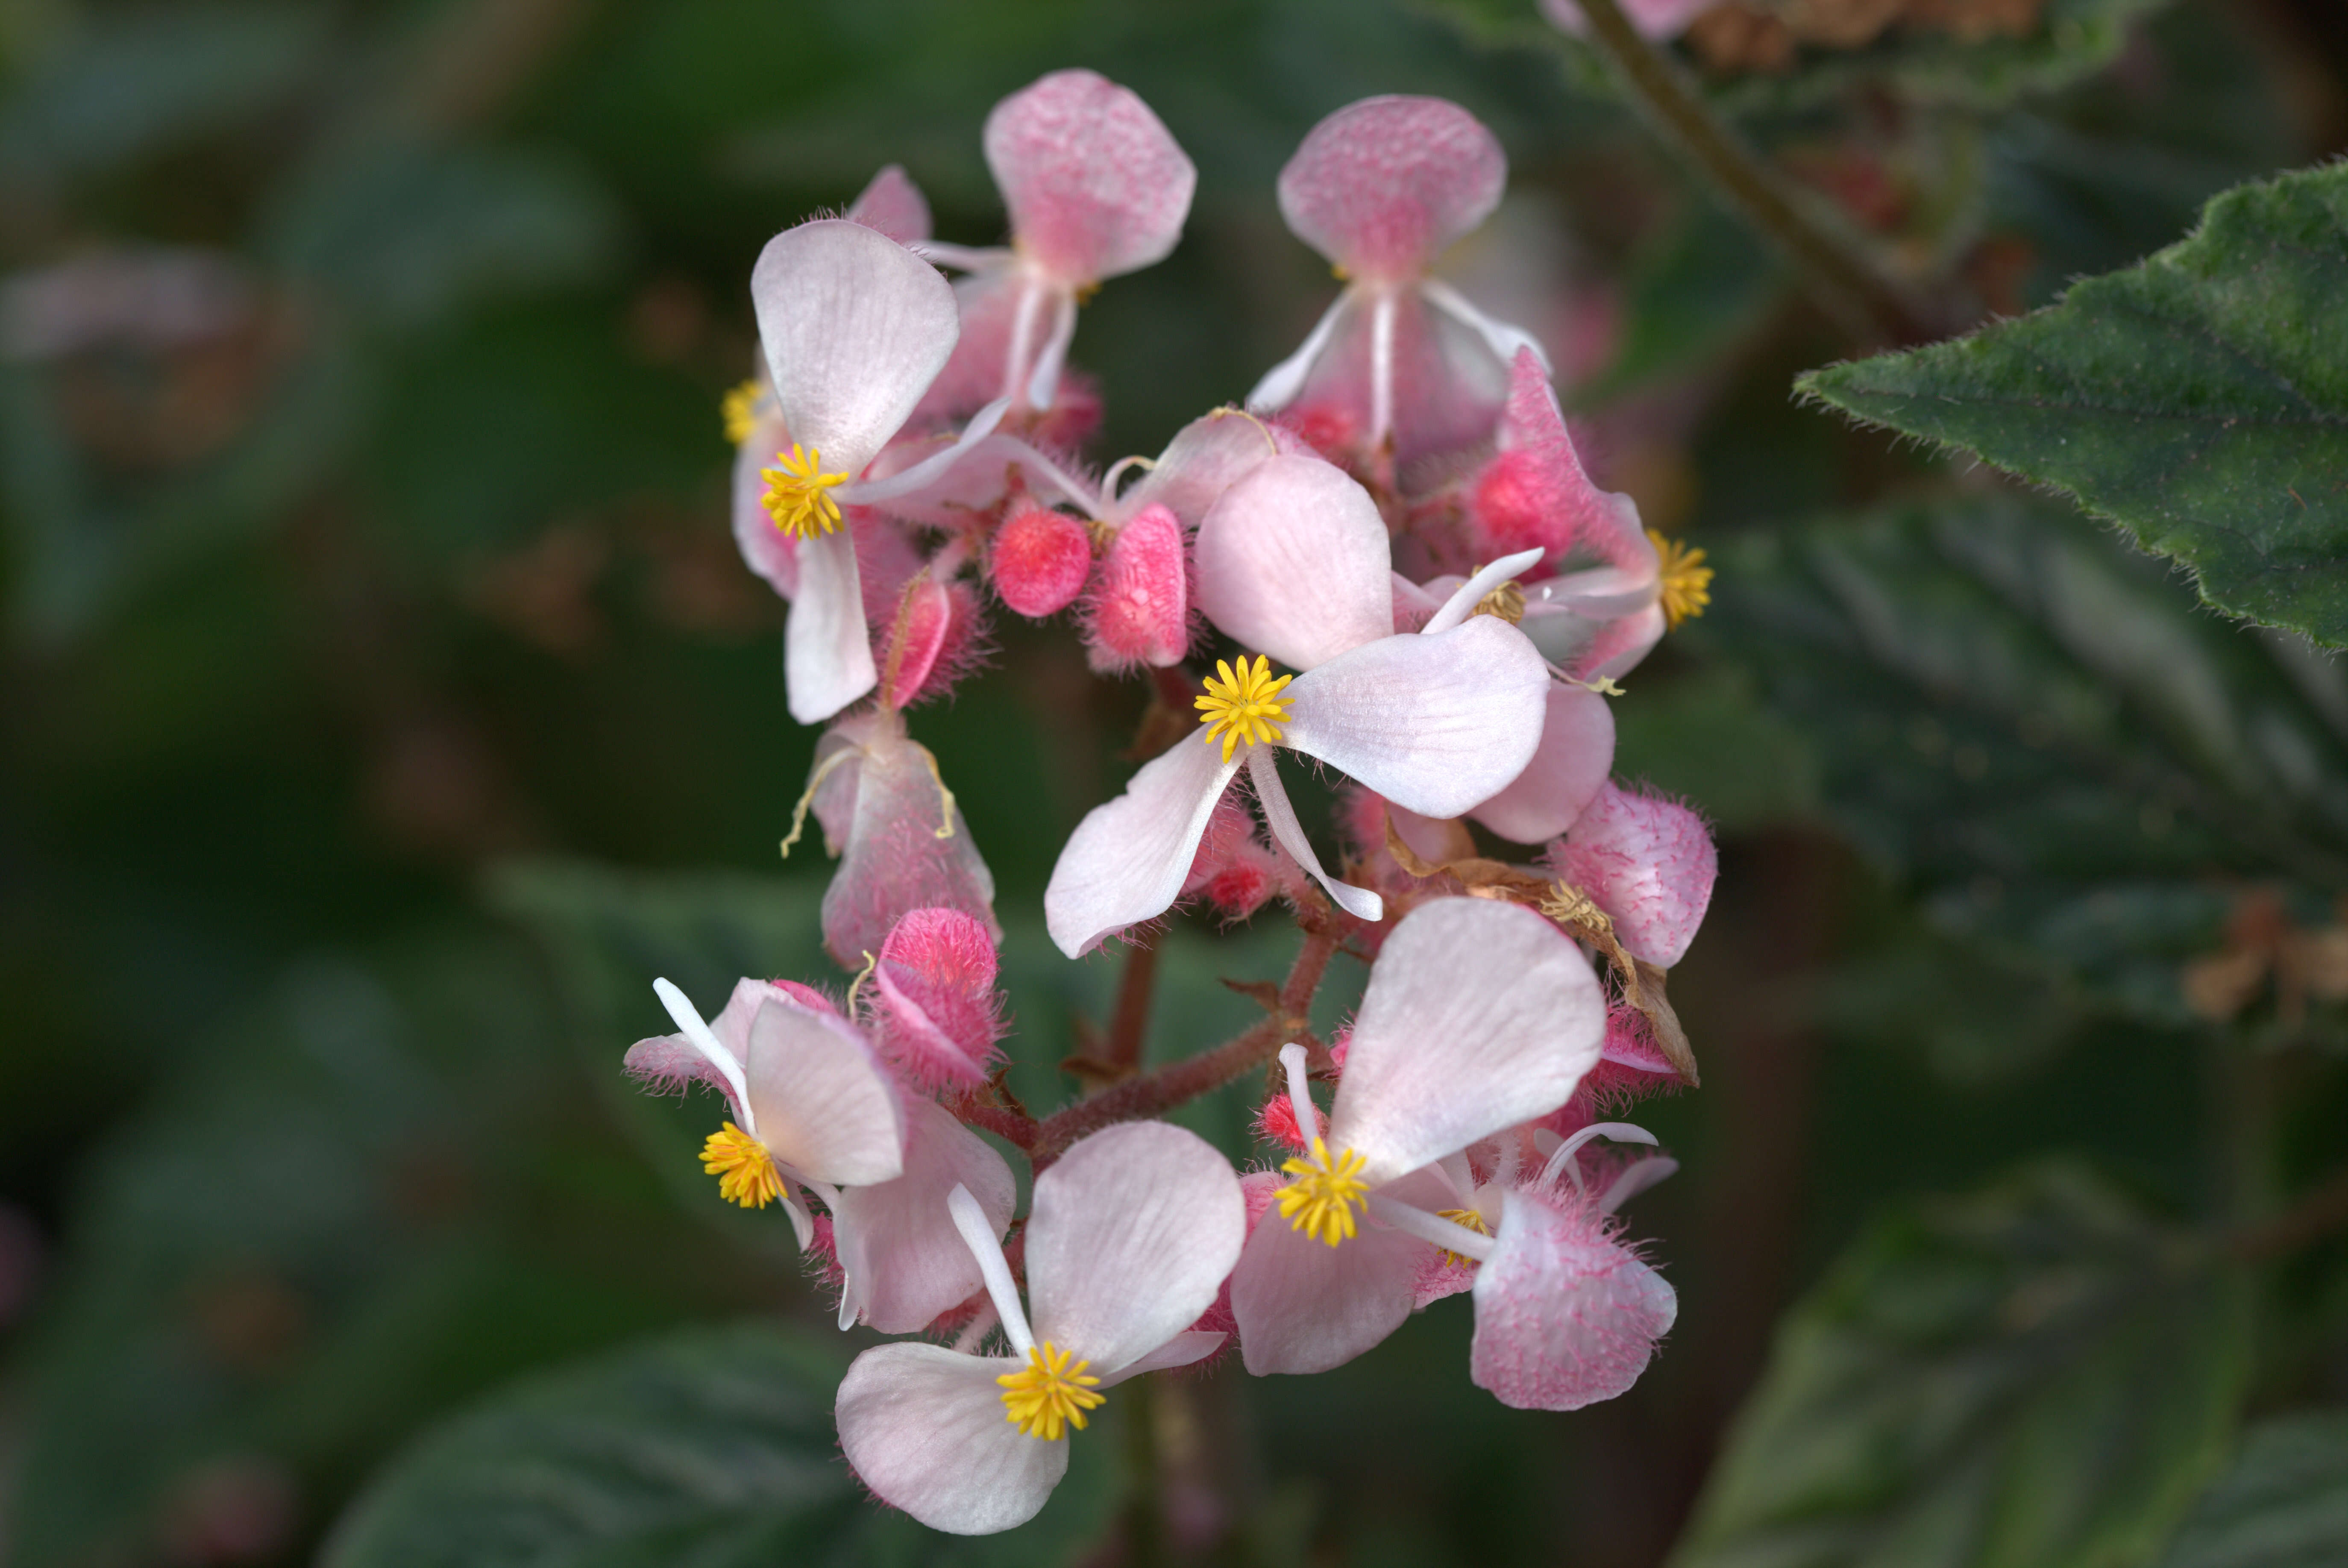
[1040,559]
[940,640]
[936,1012]
[1139,609]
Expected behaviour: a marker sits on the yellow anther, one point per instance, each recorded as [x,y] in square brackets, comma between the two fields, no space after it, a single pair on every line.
[1244,706]
[1470,1220]
[1506,602]
[1320,1201]
[740,409]
[1686,581]
[1048,1397]
[798,494]
[744,1171]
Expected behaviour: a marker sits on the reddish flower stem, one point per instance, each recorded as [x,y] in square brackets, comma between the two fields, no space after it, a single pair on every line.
[1128,1030]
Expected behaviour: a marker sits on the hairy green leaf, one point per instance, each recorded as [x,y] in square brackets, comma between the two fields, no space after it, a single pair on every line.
[2198,399]
[2038,1377]
[2284,1504]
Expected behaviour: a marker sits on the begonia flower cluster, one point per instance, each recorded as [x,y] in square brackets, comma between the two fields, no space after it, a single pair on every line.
[1386,562]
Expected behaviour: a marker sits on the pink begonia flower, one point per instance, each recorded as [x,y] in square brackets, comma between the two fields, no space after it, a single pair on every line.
[1295,562]
[1381,188]
[1440,721]
[855,327]
[1128,1240]
[1654,18]
[1599,619]
[1095,188]
[1479,1015]
[937,1015]
[902,842]
[1649,863]
[813,1106]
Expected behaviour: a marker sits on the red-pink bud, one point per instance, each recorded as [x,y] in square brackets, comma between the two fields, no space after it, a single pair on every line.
[1139,611]
[936,1013]
[1039,560]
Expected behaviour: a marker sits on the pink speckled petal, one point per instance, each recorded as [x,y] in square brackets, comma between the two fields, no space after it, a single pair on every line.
[1382,186]
[1565,1315]
[1094,182]
[1650,864]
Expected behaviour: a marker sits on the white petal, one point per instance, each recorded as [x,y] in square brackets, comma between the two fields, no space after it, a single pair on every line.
[1186,1348]
[1280,815]
[855,328]
[1479,1015]
[1294,562]
[1577,752]
[1206,457]
[827,652]
[1438,725]
[1130,1237]
[825,1106]
[1125,861]
[904,1259]
[926,1430]
[1305,1306]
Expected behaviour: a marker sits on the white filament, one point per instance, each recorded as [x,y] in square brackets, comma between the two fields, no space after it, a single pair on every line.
[1562,1161]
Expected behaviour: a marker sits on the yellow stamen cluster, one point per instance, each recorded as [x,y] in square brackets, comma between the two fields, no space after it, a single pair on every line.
[744,1171]
[1506,602]
[1048,1397]
[1244,705]
[1320,1201]
[1684,579]
[1467,1218]
[798,494]
[740,411]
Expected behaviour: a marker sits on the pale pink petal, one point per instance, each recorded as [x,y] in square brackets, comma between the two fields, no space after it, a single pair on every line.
[827,650]
[766,549]
[1206,457]
[1650,864]
[1138,611]
[1184,1349]
[888,805]
[1392,368]
[1565,1314]
[1293,562]
[1129,1236]
[1127,860]
[824,1105]
[1280,815]
[1438,725]
[924,1427]
[1619,646]
[1094,182]
[1305,1306]
[893,204]
[935,1011]
[1478,1015]
[855,328]
[1577,752]
[668,1063]
[1382,186]
[992,305]
[904,1261]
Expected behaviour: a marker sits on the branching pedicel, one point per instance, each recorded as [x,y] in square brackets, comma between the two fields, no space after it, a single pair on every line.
[908,443]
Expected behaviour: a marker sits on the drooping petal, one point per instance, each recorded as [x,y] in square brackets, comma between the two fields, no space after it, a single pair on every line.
[893,204]
[1129,1236]
[1305,1306]
[1438,725]
[1094,182]
[906,844]
[1478,1015]
[1127,860]
[827,649]
[824,1103]
[855,327]
[1577,752]
[1280,815]
[1382,186]
[1392,367]
[1294,562]
[923,1426]
[905,1263]
[1650,863]
[1565,1314]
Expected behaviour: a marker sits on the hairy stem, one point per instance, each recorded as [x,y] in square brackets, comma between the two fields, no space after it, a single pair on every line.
[1185,1080]
[1848,282]
[1128,1028]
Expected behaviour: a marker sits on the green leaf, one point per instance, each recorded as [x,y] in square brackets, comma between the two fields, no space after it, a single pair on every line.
[2038,729]
[2038,1377]
[712,1448]
[2198,400]
[2284,1504]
